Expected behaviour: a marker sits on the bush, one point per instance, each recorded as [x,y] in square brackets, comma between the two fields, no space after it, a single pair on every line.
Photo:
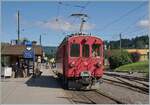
[106,53]
[135,56]
[118,58]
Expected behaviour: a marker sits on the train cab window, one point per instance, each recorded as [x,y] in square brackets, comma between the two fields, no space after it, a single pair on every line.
[85,50]
[95,50]
[75,50]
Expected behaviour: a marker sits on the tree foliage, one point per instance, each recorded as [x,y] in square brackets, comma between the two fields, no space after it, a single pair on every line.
[119,58]
[137,42]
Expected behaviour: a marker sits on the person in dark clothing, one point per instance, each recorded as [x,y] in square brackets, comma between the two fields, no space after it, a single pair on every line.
[25,69]
[16,69]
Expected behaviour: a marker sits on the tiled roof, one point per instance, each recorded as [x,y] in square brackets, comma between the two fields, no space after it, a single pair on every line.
[141,51]
[7,49]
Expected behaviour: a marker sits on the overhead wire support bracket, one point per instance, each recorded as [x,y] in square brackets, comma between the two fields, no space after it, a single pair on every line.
[82,17]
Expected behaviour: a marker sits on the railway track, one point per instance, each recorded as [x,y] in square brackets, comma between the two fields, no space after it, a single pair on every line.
[139,80]
[91,97]
[134,85]
[104,97]
[127,76]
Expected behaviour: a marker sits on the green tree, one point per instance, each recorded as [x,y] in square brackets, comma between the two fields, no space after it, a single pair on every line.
[139,44]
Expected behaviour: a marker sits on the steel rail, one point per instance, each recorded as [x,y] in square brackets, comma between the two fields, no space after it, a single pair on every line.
[127,77]
[129,86]
[110,97]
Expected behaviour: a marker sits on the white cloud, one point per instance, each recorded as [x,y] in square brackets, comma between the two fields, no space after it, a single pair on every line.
[63,25]
[144,23]
[88,26]
[54,24]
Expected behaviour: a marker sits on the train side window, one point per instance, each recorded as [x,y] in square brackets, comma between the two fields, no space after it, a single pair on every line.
[95,50]
[85,50]
[75,50]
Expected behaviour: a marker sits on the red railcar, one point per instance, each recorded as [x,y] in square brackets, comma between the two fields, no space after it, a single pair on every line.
[80,60]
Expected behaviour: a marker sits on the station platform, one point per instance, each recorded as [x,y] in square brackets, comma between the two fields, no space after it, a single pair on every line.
[41,90]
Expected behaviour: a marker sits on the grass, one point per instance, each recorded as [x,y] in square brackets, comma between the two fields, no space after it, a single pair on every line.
[135,67]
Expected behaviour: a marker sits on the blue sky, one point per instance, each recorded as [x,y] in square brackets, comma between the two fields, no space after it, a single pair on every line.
[106,19]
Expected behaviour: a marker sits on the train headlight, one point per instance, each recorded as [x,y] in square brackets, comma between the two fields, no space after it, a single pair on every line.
[72,64]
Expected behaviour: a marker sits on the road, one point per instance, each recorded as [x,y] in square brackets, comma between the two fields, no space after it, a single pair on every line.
[42,90]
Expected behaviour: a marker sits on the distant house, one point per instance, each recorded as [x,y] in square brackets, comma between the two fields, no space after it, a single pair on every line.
[143,52]
[50,50]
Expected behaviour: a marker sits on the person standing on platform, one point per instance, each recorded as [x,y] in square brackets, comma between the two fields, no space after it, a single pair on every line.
[25,69]
[16,69]
[38,71]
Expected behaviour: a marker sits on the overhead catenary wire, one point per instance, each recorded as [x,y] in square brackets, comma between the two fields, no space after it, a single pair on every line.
[58,17]
[137,30]
[122,16]
[133,24]
[116,20]
[65,4]
[58,11]
[139,34]
[69,5]
[133,33]
[82,9]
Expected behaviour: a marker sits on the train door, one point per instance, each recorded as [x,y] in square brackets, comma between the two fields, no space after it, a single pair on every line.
[64,59]
[65,80]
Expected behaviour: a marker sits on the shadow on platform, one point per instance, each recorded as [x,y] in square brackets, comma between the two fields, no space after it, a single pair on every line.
[43,81]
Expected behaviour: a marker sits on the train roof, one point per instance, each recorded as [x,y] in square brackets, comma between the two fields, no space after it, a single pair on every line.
[75,35]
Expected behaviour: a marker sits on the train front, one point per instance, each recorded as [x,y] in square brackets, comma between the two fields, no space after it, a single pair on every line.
[85,60]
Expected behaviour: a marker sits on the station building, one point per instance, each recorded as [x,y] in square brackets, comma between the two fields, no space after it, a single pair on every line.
[12,54]
[144,53]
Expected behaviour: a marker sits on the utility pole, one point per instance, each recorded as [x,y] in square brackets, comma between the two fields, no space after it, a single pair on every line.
[18,30]
[40,40]
[120,42]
